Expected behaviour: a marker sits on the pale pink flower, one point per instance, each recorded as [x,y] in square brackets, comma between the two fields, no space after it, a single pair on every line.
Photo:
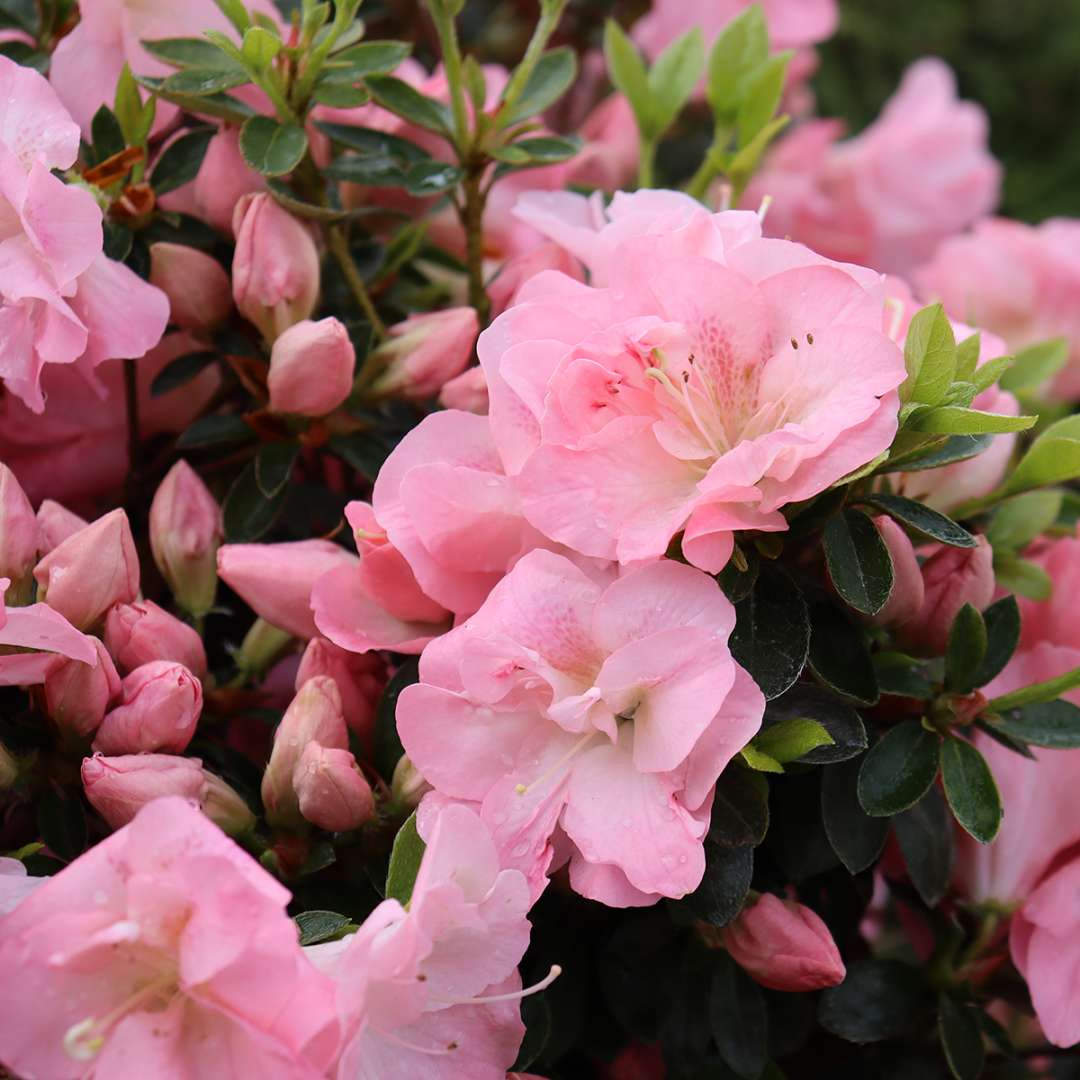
[19,531]
[612,147]
[15,885]
[77,695]
[888,197]
[715,378]
[1051,624]
[360,680]
[602,711]
[467,392]
[507,283]
[44,630]
[163,950]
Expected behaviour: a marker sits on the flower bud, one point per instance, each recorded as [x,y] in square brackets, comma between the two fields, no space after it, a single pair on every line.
[77,694]
[55,524]
[952,577]
[195,283]
[467,391]
[330,790]
[360,679]
[223,805]
[784,946]
[90,571]
[159,707]
[311,368]
[906,599]
[275,267]
[138,633]
[276,579]
[185,533]
[9,768]
[424,352]
[407,787]
[314,715]
[119,787]
[18,536]
[260,647]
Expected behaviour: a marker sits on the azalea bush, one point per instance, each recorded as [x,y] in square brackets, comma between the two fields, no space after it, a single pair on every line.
[558,567]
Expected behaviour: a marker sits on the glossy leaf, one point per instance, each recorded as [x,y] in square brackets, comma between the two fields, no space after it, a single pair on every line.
[405,859]
[550,79]
[966,650]
[1054,724]
[855,836]
[970,788]
[926,838]
[1002,620]
[404,101]
[272,148]
[898,769]
[878,1000]
[922,519]
[858,561]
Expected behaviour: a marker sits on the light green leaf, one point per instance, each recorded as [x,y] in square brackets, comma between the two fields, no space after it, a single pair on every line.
[550,79]
[956,420]
[1052,458]
[674,76]
[788,740]
[991,372]
[760,762]
[627,71]
[260,47]
[967,356]
[1017,521]
[405,859]
[930,356]
[761,96]
[1022,577]
[743,46]
[1035,364]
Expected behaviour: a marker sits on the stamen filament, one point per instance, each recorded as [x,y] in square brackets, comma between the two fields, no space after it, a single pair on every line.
[517,995]
[524,789]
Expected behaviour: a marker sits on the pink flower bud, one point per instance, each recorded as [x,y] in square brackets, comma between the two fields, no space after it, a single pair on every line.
[159,707]
[784,946]
[224,806]
[330,790]
[55,524]
[275,267]
[407,787]
[314,715]
[77,694]
[908,592]
[195,283]
[138,633]
[311,368]
[90,571]
[119,787]
[424,352]
[276,579]
[360,679]
[952,577]
[18,532]
[467,391]
[520,268]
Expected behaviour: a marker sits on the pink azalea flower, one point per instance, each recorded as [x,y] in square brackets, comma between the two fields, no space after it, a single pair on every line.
[888,197]
[162,951]
[715,378]
[15,885]
[603,710]
[434,992]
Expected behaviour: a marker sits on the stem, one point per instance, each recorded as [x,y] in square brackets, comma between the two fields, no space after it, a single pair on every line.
[711,166]
[451,56]
[303,86]
[646,177]
[339,247]
[472,220]
[550,14]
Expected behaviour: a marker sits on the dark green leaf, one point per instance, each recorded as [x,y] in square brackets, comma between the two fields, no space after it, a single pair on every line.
[180,371]
[62,823]
[405,859]
[372,57]
[320,855]
[738,1018]
[970,789]
[878,1000]
[191,53]
[362,451]
[920,518]
[740,810]
[200,82]
[720,896]
[856,837]
[317,926]
[858,561]
[274,465]
[839,655]
[772,632]
[952,449]
[549,149]
[550,79]
[536,1016]
[215,430]
[180,161]
[966,650]
[961,1038]
[388,748]
[20,13]
[106,134]
[431,178]
[925,836]
[247,514]
[1002,620]
[899,769]
[284,196]
[899,675]
[1054,724]
[370,141]
[223,106]
[1002,738]
[404,101]
[842,723]
[371,170]
[272,148]
[117,240]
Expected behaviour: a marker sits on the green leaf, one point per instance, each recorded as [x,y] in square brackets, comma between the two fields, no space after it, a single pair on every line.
[740,810]
[1053,724]
[990,373]
[788,740]
[431,178]
[549,149]
[192,54]
[930,357]
[956,420]
[771,638]
[1023,577]
[1002,620]
[879,999]
[743,165]
[388,748]
[804,701]
[961,1038]
[134,117]
[1017,521]
[1036,692]
[318,926]
[247,514]
[550,79]
[674,76]
[259,47]
[370,141]
[1035,365]
[181,160]
[898,675]
[536,1016]
[272,148]
[371,170]
[722,892]
[839,655]
[404,101]
[922,519]
[200,82]
[405,859]
[61,822]
[858,561]
[925,835]
[967,357]
[181,371]
[220,105]
[761,97]
[274,465]
[970,789]
[339,93]
[1002,738]
[475,83]
[952,449]
[966,650]
[758,761]
[215,430]
[742,46]
[106,134]
[857,838]
[737,1018]
[1052,458]
[898,769]
[235,12]
[627,71]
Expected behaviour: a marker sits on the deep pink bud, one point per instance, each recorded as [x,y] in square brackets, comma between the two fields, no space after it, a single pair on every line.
[276,579]
[141,632]
[784,946]
[159,707]
[952,577]
[314,716]
[77,695]
[311,368]
[360,679]
[185,533]
[18,534]
[195,283]
[119,787]
[908,592]
[55,524]
[275,266]
[330,790]
[424,352]
[90,571]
